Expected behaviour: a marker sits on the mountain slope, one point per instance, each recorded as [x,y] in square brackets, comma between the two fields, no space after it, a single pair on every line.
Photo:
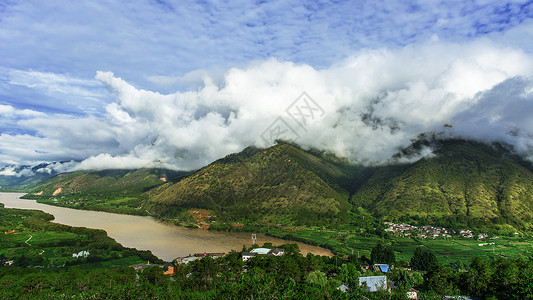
[280,184]
[106,183]
[462,180]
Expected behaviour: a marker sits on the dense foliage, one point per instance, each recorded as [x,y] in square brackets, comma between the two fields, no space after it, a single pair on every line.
[291,276]
[423,259]
[382,254]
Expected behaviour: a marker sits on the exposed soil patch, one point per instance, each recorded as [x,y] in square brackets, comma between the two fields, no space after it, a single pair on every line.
[202,217]
[56,192]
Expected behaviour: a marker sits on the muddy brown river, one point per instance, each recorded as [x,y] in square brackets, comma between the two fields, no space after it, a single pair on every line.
[166,241]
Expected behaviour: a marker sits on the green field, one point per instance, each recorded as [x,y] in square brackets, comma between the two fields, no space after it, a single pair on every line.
[451,250]
[28,238]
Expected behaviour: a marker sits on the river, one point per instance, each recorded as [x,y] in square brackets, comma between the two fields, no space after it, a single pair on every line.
[166,241]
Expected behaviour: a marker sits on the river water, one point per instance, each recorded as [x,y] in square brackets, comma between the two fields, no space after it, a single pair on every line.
[166,241]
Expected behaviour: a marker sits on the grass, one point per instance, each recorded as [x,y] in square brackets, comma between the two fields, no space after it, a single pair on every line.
[115,263]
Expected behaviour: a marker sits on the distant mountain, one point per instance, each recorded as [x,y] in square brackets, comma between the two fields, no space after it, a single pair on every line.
[462,181]
[21,177]
[106,183]
[282,184]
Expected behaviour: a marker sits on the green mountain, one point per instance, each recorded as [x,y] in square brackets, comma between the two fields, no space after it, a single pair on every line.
[281,184]
[105,183]
[463,182]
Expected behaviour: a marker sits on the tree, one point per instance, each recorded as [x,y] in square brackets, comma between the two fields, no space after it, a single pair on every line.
[316,278]
[382,254]
[423,259]
[441,280]
[479,276]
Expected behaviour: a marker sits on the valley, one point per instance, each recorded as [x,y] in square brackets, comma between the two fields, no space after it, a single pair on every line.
[466,203]
[314,197]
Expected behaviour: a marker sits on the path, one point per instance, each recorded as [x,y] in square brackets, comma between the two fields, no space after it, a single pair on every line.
[28,240]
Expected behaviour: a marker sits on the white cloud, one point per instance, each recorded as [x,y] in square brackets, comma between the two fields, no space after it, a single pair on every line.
[400,93]
[58,92]
[502,114]
[160,40]
[8,172]
[374,102]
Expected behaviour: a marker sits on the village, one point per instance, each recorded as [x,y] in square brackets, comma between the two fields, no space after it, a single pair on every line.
[428,231]
[376,281]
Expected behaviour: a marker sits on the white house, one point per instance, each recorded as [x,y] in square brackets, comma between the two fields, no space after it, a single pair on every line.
[261,251]
[374,283]
[412,294]
[81,254]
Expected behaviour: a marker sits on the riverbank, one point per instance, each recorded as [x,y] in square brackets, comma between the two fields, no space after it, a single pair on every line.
[191,219]
[31,239]
[165,240]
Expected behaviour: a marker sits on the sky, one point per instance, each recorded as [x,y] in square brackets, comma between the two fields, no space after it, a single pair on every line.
[179,84]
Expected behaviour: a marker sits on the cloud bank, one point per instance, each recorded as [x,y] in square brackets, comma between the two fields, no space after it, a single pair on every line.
[374,102]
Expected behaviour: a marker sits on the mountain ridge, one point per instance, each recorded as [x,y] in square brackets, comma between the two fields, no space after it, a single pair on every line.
[460,183]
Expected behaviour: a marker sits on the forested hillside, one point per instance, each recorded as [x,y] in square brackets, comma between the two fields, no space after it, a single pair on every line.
[279,184]
[462,181]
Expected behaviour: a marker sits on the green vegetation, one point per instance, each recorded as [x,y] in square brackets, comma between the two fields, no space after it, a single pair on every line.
[282,184]
[316,198]
[28,238]
[290,276]
[118,191]
[463,184]
[456,250]
[382,254]
[296,195]
[423,259]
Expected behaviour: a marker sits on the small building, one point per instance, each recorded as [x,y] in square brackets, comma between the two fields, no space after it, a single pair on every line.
[210,254]
[406,267]
[277,252]
[169,269]
[374,283]
[141,267]
[81,254]
[247,255]
[365,267]
[260,251]
[412,294]
[343,288]
[381,268]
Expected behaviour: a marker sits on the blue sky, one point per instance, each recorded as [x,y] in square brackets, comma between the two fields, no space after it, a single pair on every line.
[199,54]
